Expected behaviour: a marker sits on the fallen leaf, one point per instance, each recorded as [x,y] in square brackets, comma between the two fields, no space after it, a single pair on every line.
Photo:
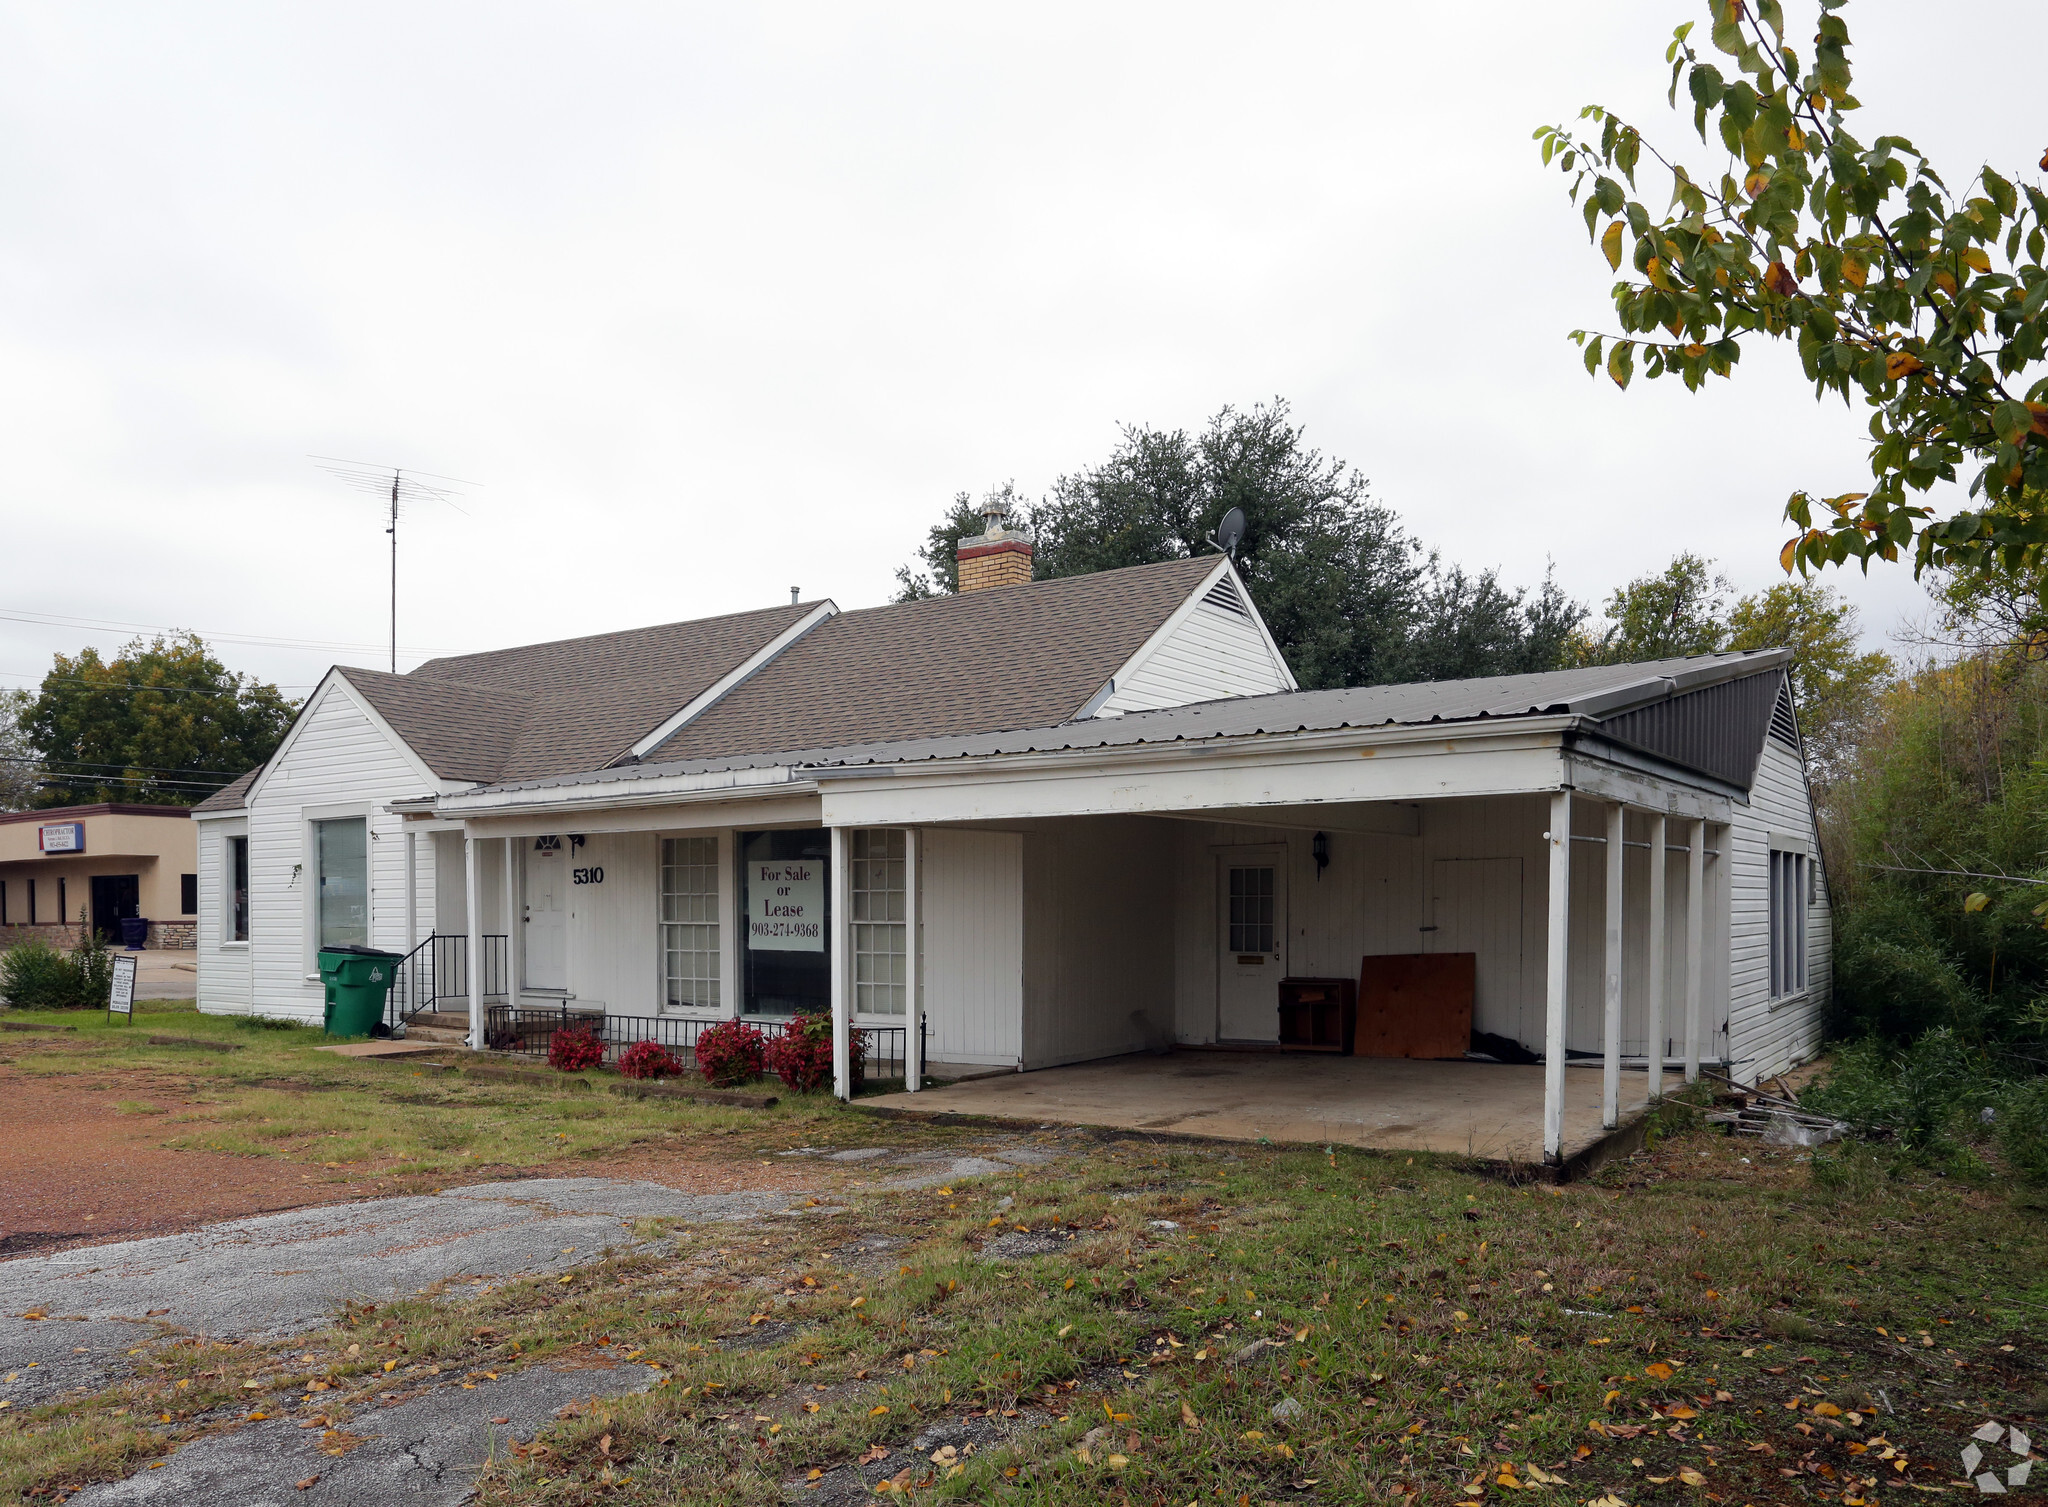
[1690,1476]
[309,1483]
[1826,1410]
[1187,1416]
[874,1452]
[1659,1370]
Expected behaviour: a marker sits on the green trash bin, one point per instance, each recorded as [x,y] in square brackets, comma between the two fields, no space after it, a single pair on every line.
[358,980]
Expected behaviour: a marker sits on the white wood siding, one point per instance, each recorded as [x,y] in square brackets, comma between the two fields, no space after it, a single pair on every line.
[1098,939]
[1211,654]
[223,963]
[1765,1036]
[614,927]
[338,764]
[972,885]
[1510,826]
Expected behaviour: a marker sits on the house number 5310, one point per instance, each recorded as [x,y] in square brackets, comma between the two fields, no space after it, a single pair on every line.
[587,876]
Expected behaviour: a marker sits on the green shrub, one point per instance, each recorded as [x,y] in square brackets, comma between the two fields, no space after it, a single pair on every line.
[36,976]
[2023,1131]
[1927,1096]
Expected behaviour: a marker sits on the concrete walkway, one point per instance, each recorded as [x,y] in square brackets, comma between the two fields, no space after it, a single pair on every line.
[1480,1109]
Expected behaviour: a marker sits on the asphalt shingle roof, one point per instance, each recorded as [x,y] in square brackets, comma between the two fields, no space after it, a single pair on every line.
[1009,656]
[1598,691]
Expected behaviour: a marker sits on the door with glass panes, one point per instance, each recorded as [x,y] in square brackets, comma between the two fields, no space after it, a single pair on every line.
[1251,941]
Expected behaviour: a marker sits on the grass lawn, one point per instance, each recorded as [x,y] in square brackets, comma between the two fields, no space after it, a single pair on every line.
[1139,1322]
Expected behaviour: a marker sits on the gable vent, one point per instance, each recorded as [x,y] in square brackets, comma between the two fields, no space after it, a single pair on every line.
[1224,594]
[1784,726]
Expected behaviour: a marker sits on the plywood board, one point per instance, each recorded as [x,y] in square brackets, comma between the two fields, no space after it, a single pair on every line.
[1415,1004]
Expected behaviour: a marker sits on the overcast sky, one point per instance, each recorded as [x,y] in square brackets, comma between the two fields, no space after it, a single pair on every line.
[715,301]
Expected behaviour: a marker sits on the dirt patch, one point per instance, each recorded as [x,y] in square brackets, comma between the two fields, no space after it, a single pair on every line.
[74,1170]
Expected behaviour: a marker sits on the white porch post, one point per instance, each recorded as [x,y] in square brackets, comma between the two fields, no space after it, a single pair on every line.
[473,944]
[1695,944]
[412,891]
[1659,860]
[512,924]
[836,949]
[913,1012]
[1610,1025]
[1556,974]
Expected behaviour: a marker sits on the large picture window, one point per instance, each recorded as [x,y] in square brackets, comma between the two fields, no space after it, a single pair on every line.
[1790,873]
[343,881]
[689,922]
[880,922]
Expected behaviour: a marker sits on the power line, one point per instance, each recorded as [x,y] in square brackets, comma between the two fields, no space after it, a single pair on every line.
[168,690]
[114,625]
[83,767]
[59,782]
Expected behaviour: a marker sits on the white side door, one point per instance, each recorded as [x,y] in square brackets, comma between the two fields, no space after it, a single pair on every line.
[1251,941]
[545,926]
[1475,906]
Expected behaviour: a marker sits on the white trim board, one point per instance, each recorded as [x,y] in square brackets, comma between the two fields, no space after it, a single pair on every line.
[747,668]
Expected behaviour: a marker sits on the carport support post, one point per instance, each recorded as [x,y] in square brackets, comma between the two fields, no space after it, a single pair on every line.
[1660,860]
[913,1013]
[1556,975]
[1610,1025]
[412,893]
[837,947]
[514,941]
[1695,944]
[473,943]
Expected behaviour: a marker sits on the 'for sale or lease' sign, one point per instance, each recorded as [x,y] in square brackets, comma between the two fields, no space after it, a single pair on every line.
[786,905]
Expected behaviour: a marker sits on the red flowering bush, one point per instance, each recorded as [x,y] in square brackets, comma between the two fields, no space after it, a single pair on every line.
[649,1059]
[574,1049]
[730,1053]
[802,1055]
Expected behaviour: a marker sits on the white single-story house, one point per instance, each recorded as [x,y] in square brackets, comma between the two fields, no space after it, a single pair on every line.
[1041,822]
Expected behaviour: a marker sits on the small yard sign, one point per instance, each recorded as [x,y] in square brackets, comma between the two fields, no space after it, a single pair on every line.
[62,837]
[786,905]
[121,997]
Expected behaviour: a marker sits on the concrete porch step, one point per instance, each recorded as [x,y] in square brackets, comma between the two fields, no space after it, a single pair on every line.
[438,1025]
[442,1035]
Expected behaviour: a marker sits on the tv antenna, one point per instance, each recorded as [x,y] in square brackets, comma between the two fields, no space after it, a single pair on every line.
[1229,533]
[400,488]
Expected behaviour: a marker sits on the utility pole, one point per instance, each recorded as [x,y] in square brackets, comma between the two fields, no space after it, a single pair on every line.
[393,532]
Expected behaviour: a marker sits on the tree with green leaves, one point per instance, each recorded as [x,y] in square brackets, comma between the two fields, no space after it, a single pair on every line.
[1681,610]
[20,769]
[1928,303]
[161,723]
[1350,596]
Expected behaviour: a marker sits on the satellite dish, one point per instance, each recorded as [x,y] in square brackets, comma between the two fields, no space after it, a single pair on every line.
[1230,532]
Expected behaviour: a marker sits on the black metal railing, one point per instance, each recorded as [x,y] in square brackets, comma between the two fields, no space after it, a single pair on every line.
[530,1030]
[438,970]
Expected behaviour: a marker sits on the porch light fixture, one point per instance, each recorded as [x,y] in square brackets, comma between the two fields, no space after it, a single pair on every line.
[1320,848]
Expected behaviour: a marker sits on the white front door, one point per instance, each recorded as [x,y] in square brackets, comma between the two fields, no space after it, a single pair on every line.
[546,923]
[1251,938]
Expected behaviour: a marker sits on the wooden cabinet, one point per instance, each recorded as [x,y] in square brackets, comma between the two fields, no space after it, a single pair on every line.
[1318,1015]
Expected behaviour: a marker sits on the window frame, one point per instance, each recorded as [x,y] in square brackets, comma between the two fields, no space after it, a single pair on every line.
[318,826]
[710,918]
[1788,897]
[878,923]
[235,870]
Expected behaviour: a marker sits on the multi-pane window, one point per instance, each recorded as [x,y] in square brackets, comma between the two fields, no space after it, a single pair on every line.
[689,921]
[1790,875]
[342,848]
[880,909]
[1251,909]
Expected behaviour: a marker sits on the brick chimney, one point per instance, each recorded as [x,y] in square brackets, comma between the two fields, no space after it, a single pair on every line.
[998,556]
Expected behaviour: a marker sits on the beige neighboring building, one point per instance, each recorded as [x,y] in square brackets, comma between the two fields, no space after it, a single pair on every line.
[112,862]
